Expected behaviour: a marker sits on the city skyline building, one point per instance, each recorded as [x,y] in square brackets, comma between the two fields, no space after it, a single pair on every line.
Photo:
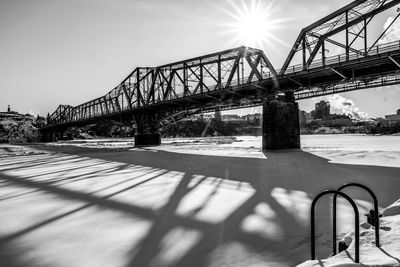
[322,110]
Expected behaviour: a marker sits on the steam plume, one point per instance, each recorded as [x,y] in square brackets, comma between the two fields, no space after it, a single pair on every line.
[393,33]
[342,105]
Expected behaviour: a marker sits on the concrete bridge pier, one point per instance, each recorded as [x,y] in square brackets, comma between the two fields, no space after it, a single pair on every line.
[147,139]
[47,136]
[50,135]
[147,133]
[280,128]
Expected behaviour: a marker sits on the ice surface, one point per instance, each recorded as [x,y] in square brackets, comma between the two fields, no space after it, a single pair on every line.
[192,202]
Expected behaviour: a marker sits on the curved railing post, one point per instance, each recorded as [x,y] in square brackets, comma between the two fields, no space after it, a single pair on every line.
[356,222]
[376,213]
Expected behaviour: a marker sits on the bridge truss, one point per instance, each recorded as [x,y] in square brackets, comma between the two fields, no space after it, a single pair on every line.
[196,83]
[243,76]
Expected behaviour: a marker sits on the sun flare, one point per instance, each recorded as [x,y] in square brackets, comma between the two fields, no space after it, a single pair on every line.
[252,22]
[252,26]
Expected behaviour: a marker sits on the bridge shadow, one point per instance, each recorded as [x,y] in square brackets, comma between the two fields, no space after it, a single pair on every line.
[10,256]
[292,169]
[223,210]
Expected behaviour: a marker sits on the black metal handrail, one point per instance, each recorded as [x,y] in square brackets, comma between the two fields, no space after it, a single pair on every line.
[376,213]
[356,222]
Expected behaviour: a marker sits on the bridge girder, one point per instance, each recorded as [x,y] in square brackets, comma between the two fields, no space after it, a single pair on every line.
[343,29]
[60,114]
[204,76]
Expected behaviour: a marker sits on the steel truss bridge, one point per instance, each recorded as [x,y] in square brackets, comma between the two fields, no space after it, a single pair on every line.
[153,97]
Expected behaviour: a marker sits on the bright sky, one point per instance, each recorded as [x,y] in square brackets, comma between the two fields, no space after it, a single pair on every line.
[68,52]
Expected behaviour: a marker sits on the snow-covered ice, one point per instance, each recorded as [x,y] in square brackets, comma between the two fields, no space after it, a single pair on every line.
[211,202]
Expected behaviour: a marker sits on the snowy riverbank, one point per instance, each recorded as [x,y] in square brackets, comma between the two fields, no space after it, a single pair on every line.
[219,202]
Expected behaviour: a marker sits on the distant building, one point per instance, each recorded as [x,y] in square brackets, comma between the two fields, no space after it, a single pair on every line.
[302,118]
[201,116]
[253,119]
[15,116]
[29,117]
[306,117]
[377,121]
[393,119]
[228,117]
[322,110]
[312,114]
[233,118]
[339,121]
[309,117]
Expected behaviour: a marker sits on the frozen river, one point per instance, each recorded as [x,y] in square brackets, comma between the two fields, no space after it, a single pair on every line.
[347,149]
[355,149]
[198,202]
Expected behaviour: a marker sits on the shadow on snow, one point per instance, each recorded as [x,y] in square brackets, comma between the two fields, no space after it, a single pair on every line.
[291,171]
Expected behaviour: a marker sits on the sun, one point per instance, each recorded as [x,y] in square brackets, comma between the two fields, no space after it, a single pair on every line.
[252,22]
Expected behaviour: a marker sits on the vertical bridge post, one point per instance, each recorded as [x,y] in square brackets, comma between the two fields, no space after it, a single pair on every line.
[147,133]
[280,127]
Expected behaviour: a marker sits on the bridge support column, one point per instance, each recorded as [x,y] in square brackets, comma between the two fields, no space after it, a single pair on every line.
[49,136]
[147,133]
[147,139]
[280,128]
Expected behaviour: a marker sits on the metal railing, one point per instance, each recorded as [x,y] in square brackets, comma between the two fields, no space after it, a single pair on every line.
[373,220]
[375,212]
[356,222]
[342,58]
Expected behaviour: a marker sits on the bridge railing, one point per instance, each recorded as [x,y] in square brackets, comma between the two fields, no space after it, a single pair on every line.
[342,58]
[384,79]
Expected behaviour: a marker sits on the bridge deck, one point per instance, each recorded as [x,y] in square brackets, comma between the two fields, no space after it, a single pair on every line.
[339,74]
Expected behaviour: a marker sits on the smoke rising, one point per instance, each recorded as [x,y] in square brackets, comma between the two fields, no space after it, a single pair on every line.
[393,33]
[342,105]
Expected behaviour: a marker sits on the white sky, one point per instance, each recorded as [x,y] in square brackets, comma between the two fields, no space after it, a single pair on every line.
[68,52]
